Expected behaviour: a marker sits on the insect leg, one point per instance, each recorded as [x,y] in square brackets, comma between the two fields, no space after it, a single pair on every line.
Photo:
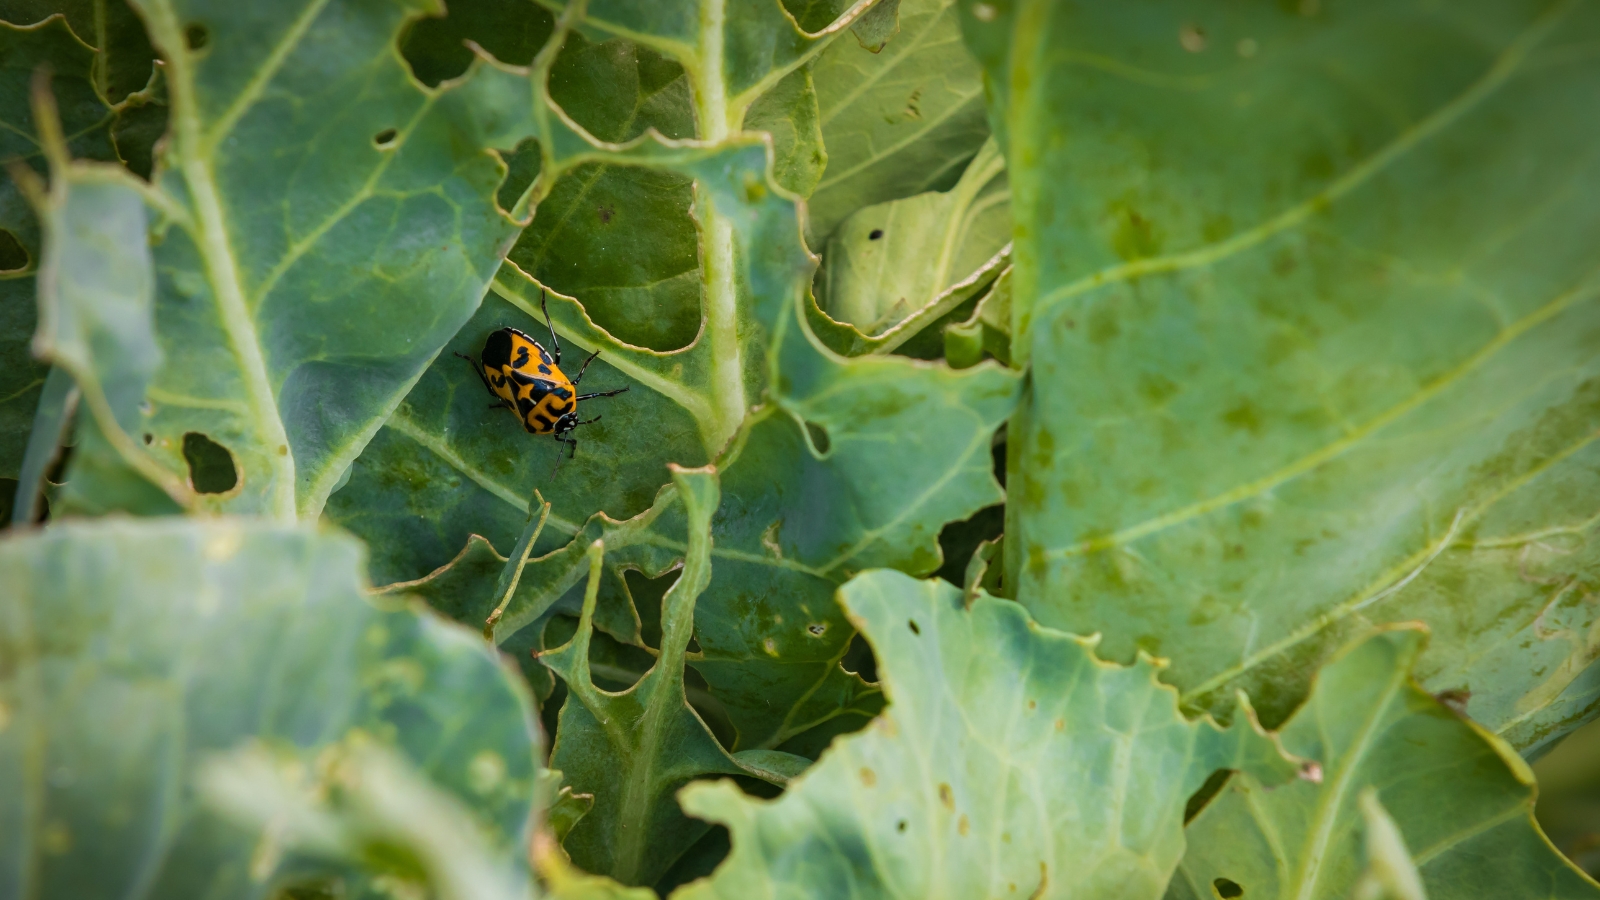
[574,444]
[554,341]
[599,394]
[478,368]
[585,366]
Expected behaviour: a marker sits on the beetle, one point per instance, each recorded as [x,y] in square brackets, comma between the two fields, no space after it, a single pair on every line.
[527,379]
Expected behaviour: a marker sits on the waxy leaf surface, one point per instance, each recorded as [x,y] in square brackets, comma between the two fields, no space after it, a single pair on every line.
[1311,307]
[1010,762]
[1461,799]
[138,648]
[321,225]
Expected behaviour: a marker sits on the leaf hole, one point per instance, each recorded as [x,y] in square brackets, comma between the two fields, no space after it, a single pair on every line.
[914,628]
[385,138]
[819,438]
[13,256]
[900,826]
[522,167]
[1226,889]
[817,629]
[196,36]
[148,437]
[211,466]
[875,234]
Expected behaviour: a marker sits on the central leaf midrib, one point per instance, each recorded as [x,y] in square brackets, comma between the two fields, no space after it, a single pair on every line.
[1331,803]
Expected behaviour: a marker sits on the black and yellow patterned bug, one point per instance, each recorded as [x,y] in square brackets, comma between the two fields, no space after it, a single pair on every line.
[525,378]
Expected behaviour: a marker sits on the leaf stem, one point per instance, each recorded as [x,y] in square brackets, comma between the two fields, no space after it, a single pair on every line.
[720,299]
[222,270]
[661,689]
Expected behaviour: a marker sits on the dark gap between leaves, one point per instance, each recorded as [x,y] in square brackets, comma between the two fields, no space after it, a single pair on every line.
[522,167]
[13,256]
[696,862]
[858,659]
[8,496]
[435,46]
[1199,799]
[959,540]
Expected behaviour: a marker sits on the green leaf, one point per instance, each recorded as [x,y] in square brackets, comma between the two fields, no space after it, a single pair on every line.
[51,423]
[445,466]
[986,331]
[97,321]
[1010,761]
[32,39]
[893,269]
[1462,799]
[297,303]
[789,113]
[1303,362]
[881,23]
[898,122]
[138,648]
[770,633]
[563,806]
[633,750]
[1569,788]
[1390,874]
[123,59]
[620,237]
[365,807]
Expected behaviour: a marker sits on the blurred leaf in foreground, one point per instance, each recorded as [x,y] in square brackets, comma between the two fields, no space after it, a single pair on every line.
[135,649]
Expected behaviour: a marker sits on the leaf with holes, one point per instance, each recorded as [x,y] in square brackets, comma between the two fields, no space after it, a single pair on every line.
[28,44]
[897,122]
[320,226]
[811,496]
[1312,336]
[895,269]
[138,648]
[1010,762]
[632,750]
[1460,798]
